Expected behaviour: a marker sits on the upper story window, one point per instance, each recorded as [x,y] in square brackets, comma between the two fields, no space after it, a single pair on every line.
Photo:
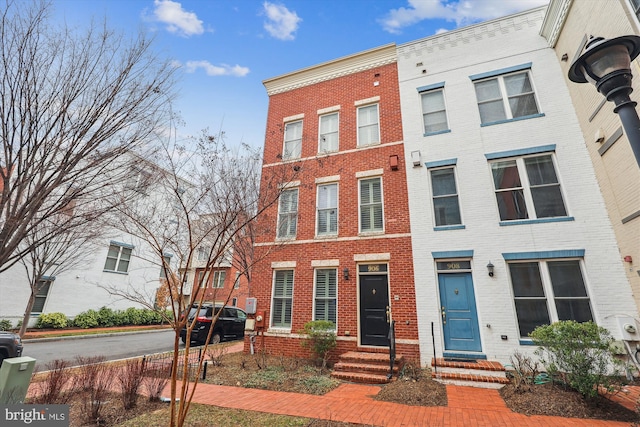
[288,214]
[327,210]
[507,96]
[635,5]
[41,294]
[166,266]
[203,253]
[546,291]
[527,187]
[328,139]
[292,140]
[368,125]
[371,216]
[434,112]
[446,208]
[118,258]
[218,279]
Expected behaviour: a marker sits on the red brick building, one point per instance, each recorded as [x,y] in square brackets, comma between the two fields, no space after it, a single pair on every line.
[340,245]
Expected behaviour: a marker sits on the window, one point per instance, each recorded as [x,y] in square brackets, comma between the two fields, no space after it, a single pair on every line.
[371,205]
[41,295]
[434,114]
[166,261]
[635,5]
[288,214]
[548,291]
[368,131]
[292,140]
[139,181]
[203,253]
[446,208]
[520,99]
[236,281]
[325,297]
[218,279]
[527,187]
[118,258]
[282,298]
[201,280]
[327,211]
[328,133]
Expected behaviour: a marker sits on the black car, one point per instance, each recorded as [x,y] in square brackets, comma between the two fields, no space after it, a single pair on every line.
[10,345]
[230,324]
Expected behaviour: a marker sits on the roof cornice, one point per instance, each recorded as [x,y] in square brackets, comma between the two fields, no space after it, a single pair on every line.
[346,65]
[554,20]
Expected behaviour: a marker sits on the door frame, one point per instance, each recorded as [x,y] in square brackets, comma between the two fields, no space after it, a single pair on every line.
[457,266]
[370,271]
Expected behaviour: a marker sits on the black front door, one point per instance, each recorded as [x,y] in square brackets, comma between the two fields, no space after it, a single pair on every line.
[374,306]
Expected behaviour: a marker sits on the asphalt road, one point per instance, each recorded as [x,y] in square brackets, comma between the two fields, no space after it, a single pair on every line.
[113,347]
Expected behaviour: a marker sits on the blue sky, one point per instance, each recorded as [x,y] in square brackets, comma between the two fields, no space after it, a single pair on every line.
[226,48]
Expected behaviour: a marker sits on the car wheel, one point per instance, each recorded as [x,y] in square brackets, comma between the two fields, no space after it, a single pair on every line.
[216,338]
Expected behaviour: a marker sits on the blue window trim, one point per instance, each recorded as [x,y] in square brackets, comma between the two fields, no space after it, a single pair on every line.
[536,221]
[521,152]
[430,87]
[440,163]
[448,227]
[526,342]
[567,253]
[464,355]
[501,71]
[437,132]
[124,245]
[499,122]
[48,278]
[452,254]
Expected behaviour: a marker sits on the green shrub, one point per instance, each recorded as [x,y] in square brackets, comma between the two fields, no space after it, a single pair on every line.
[87,319]
[577,354]
[106,317]
[321,338]
[52,320]
[134,316]
[5,325]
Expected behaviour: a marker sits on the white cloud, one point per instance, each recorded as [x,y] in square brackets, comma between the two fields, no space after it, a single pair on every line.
[177,19]
[216,70]
[282,23]
[462,12]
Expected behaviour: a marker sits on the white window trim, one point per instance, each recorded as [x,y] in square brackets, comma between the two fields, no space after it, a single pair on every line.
[320,130]
[284,140]
[370,173]
[288,237]
[315,289]
[455,179]
[328,110]
[446,111]
[328,233]
[358,125]
[215,284]
[273,289]
[370,232]
[120,246]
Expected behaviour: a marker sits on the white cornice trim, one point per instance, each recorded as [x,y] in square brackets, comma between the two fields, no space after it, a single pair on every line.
[346,65]
[554,20]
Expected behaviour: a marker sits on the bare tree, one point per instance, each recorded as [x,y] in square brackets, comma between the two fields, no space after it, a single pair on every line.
[71,103]
[214,208]
[59,243]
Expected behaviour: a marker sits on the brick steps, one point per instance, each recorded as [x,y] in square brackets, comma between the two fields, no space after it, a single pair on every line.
[366,367]
[482,373]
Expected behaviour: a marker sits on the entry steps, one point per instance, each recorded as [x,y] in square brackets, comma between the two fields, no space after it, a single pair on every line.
[366,366]
[477,373]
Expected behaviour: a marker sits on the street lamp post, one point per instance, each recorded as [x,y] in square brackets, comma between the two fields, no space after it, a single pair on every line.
[607,65]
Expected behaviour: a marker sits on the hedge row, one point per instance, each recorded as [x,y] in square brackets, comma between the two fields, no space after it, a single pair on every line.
[102,318]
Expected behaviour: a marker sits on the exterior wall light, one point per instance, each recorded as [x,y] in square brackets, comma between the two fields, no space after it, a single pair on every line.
[490,269]
[345,273]
[607,65]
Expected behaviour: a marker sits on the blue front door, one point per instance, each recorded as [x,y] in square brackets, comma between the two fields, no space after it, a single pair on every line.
[458,311]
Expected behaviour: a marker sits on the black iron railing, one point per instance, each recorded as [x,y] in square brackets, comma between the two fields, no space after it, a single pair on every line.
[392,347]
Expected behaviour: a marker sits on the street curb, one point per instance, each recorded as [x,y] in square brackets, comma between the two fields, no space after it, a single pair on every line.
[105,334]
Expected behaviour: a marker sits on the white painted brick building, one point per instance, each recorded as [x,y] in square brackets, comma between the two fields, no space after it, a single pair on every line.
[550,241]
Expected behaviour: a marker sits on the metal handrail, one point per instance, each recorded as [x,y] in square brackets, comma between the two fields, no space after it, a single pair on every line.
[392,347]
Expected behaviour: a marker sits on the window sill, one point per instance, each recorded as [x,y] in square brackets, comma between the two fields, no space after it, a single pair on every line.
[371,144]
[116,272]
[536,221]
[371,233]
[440,132]
[499,122]
[526,342]
[448,227]
[326,236]
[286,239]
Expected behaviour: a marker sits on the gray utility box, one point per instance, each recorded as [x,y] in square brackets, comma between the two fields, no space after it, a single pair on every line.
[15,377]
